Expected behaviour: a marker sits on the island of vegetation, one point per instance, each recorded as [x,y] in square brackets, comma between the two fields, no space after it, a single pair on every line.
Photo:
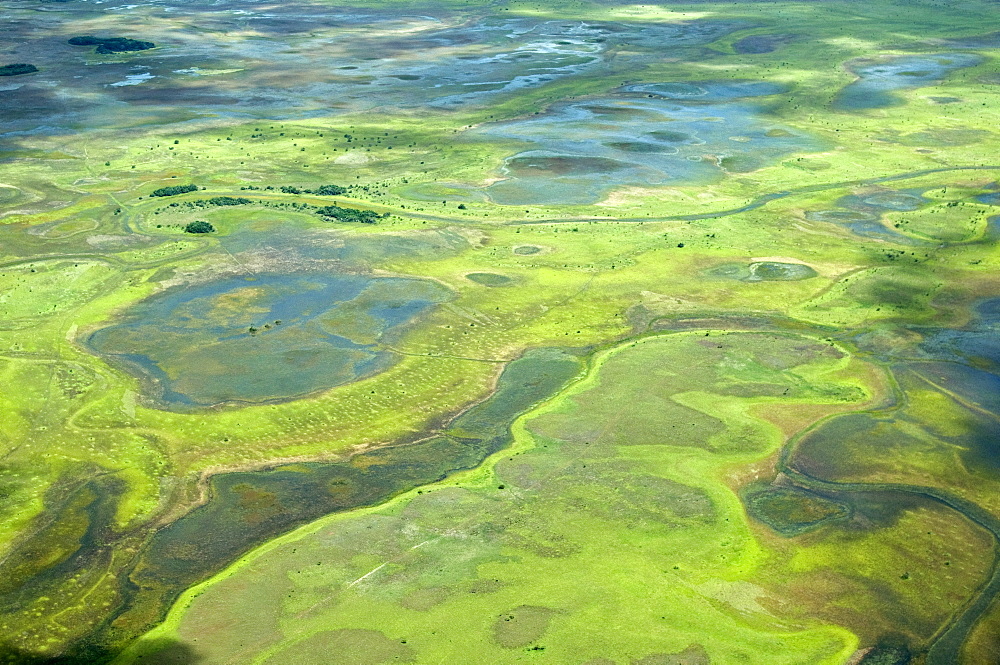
[17,69]
[350,214]
[322,190]
[199,227]
[174,190]
[112,44]
[225,201]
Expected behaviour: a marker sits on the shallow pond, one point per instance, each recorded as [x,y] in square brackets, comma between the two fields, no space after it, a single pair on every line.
[676,133]
[710,91]
[862,213]
[877,80]
[763,271]
[262,338]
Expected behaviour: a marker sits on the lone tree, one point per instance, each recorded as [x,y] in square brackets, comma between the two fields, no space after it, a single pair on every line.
[199,227]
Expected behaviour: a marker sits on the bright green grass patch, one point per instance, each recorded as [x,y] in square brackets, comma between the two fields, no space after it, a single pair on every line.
[942,222]
[46,288]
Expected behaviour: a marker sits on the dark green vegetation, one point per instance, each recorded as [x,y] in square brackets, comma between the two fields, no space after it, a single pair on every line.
[17,69]
[329,190]
[350,214]
[199,226]
[766,271]
[489,279]
[791,511]
[112,44]
[224,201]
[174,190]
[768,228]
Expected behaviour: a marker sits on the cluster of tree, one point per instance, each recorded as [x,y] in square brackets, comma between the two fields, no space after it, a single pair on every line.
[199,227]
[225,201]
[17,68]
[112,44]
[330,190]
[350,214]
[322,190]
[331,212]
[174,190]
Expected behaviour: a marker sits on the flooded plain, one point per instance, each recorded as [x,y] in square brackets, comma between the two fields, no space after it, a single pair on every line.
[862,214]
[647,135]
[877,80]
[326,61]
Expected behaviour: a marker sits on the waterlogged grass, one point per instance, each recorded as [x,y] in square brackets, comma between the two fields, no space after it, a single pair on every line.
[601,515]
[579,287]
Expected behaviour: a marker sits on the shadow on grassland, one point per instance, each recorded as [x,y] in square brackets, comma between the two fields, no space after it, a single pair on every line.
[168,652]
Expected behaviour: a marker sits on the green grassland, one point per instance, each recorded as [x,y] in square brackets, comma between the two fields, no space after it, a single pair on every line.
[494,563]
[619,481]
[625,499]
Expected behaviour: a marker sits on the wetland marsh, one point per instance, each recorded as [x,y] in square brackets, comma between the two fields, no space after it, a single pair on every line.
[643,334]
[265,337]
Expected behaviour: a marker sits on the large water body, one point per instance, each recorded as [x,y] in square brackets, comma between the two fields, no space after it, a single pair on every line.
[329,62]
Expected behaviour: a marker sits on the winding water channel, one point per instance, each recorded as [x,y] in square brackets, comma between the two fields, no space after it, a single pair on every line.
[977,342]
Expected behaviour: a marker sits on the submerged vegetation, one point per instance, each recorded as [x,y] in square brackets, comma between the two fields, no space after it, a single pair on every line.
[635,334]
[17,69]
[112,44]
